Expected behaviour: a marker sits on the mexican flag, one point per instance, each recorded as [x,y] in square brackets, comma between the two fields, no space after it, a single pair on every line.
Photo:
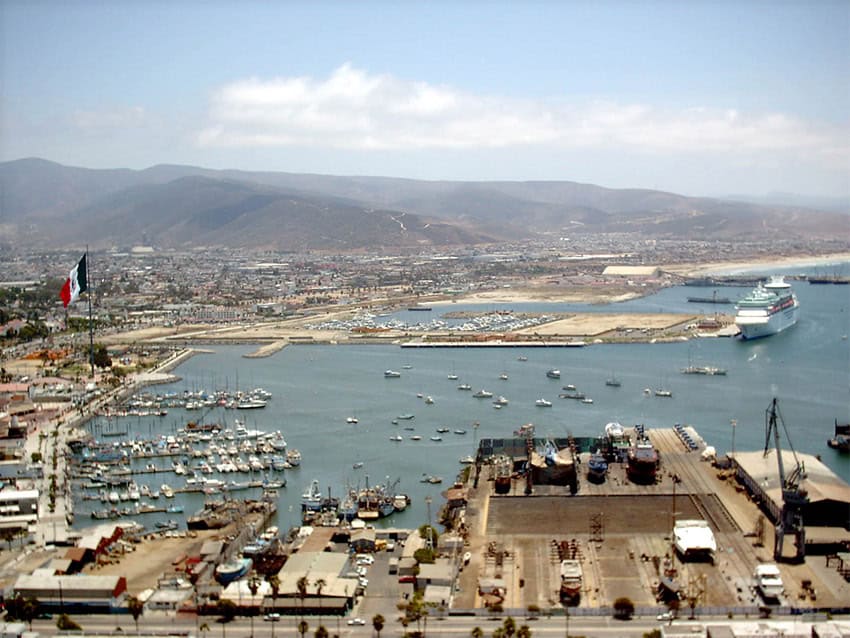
[75,284]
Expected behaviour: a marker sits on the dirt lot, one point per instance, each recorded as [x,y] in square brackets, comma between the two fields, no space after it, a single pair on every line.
[150,559]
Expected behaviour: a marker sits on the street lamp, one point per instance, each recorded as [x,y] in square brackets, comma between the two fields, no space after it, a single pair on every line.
[430,536]
[734,424]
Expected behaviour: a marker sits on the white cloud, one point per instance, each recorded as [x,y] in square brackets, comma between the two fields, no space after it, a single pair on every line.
[355,110]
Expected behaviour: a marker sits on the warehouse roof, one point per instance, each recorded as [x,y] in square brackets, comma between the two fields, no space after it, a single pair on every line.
[821,483]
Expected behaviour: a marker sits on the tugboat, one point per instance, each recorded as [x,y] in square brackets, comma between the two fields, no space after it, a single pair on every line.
[841,440]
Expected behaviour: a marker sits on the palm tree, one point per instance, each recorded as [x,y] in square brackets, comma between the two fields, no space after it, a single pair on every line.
[29,610]
[274,583]
[227,609]
[320,584]
[524,632]
[321,632]
[378,623]
[301,586]
[477,632]
[303,627]
[204,628]
[136,607]
[509,626]
[253,586]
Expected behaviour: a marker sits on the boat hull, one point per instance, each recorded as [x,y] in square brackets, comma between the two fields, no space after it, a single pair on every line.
[234,570]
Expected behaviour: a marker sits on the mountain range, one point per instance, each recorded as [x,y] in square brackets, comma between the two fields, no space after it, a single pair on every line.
[49,204]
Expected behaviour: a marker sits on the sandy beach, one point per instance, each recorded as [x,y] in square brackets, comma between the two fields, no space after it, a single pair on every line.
[755,263]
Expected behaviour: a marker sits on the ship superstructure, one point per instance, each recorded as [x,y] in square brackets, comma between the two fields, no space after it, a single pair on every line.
[767,309]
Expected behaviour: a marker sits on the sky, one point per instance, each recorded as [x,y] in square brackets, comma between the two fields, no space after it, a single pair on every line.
[711,97]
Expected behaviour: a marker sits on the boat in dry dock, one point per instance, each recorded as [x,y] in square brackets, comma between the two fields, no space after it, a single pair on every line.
[642,460]
[551,465]
[233,570]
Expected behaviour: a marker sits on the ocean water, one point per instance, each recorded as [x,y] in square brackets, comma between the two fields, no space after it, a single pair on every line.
[315,388]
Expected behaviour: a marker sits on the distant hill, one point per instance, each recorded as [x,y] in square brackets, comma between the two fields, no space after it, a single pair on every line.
[172,206]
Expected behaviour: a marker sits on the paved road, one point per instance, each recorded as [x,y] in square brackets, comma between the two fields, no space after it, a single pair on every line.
[157,623]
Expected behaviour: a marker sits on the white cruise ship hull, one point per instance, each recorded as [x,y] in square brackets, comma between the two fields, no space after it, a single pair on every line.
[761,325]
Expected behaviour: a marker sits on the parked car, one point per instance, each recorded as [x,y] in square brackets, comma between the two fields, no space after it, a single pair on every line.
[356,621]
[273,617]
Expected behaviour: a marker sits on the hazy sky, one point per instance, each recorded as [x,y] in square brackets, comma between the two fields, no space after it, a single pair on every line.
[698,97]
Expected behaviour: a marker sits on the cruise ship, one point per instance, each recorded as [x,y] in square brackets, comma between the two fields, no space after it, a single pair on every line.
[768,309]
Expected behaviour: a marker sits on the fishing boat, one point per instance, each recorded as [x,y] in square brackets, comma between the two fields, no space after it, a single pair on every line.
[351,419]
[642,461]
[597,468]
[483,394]
[503,472]
[405,417]
[768,309]
[311,499]
[400,502]
[841,440]
[293,457]
[543,403]
[661,392]
[391,374]
[396,437]
[553,374]
[452,377]
[571,581]
[500,401]
[233,570]
[551,465]
[768,581]
[464,386]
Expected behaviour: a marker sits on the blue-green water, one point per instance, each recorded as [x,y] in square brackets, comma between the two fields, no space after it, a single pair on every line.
[316,388]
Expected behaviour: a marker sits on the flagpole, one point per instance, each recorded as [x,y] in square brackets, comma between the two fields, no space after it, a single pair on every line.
[91,323]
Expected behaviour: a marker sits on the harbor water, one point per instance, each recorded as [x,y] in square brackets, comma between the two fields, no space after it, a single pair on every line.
[318,389]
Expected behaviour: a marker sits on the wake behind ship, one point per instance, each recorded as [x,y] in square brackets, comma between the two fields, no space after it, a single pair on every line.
[768,309]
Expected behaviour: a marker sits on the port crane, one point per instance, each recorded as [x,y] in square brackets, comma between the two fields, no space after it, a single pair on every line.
[794,497]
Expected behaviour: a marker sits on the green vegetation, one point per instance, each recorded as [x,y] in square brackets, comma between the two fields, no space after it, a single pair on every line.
[624,608]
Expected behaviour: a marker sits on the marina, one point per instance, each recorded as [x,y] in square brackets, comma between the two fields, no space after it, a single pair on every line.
[307,416]
[561,470]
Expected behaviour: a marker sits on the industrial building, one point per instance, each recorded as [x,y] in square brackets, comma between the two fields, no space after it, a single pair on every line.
[330,567]
[18,508]
[77,594]
[828,495]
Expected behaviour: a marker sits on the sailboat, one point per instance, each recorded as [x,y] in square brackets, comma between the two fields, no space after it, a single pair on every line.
[612,381]
[662,391]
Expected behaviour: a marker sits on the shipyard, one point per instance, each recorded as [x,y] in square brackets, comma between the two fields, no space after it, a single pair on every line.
[437,489]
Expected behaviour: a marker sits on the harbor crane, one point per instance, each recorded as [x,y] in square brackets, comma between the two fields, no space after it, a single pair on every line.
[794,497]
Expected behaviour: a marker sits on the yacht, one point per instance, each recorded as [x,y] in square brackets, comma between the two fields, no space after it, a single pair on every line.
[543,403]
